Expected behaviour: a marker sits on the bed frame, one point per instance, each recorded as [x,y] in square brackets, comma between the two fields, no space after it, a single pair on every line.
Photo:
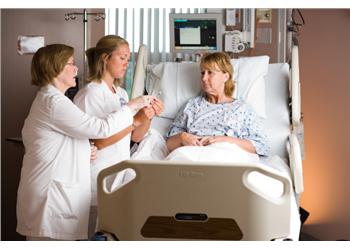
[183,200]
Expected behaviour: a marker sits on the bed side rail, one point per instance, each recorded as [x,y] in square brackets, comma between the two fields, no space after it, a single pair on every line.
[296,167]
[295,88]
[297,116]
[296,138]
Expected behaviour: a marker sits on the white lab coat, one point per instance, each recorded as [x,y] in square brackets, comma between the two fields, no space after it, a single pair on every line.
[54,191]
[98,100]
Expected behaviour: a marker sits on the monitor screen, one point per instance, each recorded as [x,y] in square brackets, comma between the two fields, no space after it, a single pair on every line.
[191,33]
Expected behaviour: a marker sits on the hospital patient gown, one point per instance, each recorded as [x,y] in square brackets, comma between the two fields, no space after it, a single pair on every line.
[236,118]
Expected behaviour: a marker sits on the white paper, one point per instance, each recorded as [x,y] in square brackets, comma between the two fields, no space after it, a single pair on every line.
[29,44]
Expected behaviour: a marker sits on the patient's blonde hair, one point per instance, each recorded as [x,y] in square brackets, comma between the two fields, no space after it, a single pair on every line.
[222,61]
[96,56]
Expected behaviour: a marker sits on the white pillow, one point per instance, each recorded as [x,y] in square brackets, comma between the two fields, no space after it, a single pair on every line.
[249,74]
[178,82]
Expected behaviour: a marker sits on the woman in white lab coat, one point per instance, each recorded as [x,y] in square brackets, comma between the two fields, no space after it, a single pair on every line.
[108,62]
[54,193]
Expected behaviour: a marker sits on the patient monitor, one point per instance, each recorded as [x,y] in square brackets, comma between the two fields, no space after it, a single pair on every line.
[195,33]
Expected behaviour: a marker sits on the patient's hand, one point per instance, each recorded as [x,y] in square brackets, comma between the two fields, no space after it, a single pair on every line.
[207,140]
[190,140]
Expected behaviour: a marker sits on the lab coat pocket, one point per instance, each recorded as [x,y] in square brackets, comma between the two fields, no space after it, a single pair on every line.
[63,200]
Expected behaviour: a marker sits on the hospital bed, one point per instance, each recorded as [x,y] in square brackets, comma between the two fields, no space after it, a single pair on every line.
[207,200]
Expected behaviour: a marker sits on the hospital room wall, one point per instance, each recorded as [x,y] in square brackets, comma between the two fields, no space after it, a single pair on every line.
[17,93]
[325,85]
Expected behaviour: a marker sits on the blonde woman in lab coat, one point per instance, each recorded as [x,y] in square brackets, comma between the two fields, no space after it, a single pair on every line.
[108,62]
[54,192]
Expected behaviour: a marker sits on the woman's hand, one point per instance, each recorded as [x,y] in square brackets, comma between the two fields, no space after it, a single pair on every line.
[140,102]
[244,144]
[148,112]
[143,115]
[158,106]
[93,154]
[207,140]
[190,140]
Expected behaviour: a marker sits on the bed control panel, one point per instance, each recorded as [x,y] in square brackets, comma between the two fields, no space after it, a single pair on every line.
[194,217]
[191,226]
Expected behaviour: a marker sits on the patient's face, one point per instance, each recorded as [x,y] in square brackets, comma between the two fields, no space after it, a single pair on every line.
[117,64]
[213,81]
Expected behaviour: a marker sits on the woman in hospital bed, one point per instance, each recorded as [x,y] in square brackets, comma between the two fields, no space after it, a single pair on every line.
[108,62]
[228,127]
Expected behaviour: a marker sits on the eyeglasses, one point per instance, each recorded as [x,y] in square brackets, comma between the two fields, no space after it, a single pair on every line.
[71,63]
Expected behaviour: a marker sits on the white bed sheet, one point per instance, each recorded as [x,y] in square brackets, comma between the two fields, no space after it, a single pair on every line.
[153,147]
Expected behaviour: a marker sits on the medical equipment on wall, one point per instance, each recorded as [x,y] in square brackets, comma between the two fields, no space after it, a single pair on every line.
[196,33]
[179,200]
[234,42]
[193,34]
[230,17]
[237,41]
[248,29]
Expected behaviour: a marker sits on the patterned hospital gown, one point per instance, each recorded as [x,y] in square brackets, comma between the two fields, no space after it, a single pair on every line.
[238,119]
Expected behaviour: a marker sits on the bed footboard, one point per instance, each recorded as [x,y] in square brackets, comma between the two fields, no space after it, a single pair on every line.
[175,200]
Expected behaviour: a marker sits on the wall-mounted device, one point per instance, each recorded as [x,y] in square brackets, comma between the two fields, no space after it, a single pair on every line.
[237,41]
[264,15]
[230,17]
[195,33]
[234,42]
[248,29]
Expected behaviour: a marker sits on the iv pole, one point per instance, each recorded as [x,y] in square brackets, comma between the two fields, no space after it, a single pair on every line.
[72,16]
